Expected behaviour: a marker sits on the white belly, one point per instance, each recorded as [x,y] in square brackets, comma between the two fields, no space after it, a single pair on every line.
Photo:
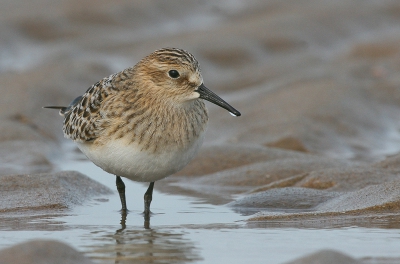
[128,160]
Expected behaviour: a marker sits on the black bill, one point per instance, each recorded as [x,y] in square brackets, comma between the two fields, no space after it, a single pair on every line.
[208,95]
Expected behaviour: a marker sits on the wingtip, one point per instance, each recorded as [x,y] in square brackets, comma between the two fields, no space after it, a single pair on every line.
[54,107]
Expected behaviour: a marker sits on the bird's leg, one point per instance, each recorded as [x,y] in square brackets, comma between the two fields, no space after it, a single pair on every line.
[121,191]
[147,199]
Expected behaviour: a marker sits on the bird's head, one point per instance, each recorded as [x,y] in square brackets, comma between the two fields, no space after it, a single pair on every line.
[174,74]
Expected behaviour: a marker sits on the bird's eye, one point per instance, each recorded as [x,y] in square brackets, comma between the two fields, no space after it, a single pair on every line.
[173,74]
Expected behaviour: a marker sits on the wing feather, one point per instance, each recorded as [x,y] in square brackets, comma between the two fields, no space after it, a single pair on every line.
[82,116]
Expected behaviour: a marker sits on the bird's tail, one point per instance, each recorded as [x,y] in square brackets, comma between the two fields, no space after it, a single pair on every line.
[65,109]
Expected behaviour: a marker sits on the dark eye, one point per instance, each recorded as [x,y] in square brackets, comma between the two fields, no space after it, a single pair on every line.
[173,74]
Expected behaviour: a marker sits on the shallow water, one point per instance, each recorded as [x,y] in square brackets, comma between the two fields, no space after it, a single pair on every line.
[184,229]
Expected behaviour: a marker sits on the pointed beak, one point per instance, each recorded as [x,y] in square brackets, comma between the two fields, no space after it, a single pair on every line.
[208,95]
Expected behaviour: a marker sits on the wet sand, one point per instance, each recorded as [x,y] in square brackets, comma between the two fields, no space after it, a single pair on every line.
[317,82]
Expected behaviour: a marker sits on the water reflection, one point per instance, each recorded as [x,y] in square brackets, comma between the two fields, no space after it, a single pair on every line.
[123,221]
[372,221]
[143,245]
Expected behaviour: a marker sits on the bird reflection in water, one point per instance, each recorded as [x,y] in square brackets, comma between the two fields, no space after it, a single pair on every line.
[124,215]
[130,244]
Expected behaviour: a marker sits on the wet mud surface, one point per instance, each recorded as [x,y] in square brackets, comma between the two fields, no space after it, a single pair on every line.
[314,154]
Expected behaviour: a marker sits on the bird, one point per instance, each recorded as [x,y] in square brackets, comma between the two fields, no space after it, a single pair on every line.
[145,122]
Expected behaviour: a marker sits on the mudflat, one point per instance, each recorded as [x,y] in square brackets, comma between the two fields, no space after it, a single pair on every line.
[317,83]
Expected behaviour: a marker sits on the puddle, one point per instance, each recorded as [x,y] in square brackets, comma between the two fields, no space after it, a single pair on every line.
[184,230]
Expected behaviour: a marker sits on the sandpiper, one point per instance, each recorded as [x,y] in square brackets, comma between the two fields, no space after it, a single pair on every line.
[145,122]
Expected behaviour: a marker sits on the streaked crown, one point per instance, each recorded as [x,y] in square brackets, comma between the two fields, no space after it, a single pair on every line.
[170,55]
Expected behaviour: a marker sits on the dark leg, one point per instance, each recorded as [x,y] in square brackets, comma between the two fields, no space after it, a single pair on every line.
[121,191]
[147,199]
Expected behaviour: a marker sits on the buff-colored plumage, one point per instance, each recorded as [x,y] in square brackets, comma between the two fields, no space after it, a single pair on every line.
[145,122]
